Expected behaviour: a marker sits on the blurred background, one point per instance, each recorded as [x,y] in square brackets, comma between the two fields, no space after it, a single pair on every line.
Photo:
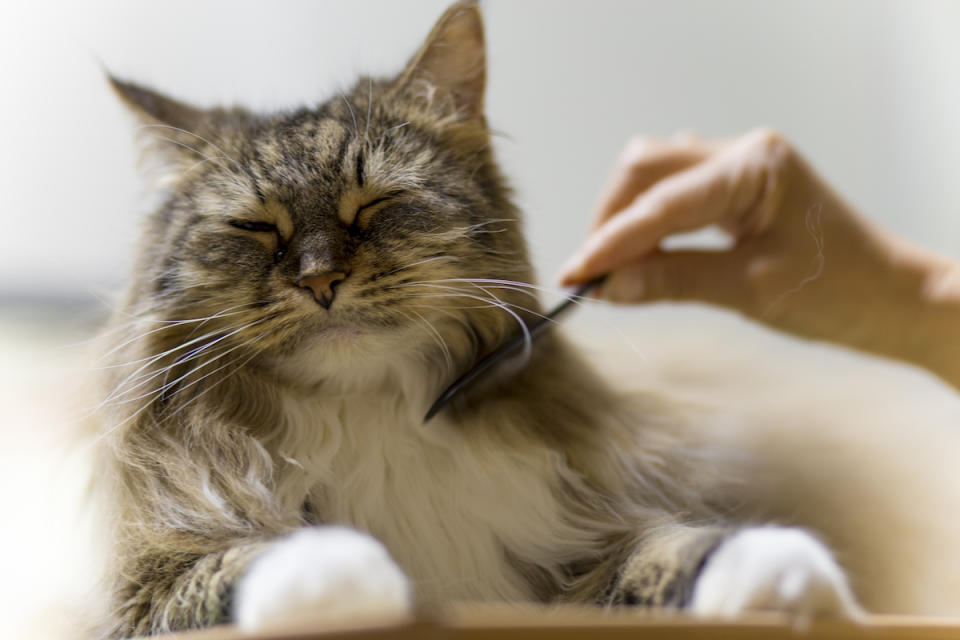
[869,90]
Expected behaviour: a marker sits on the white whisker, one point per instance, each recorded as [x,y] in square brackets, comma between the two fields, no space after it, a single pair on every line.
[147,405]
[167,385]
[444,348]
[221,380]
[458,292]
[169,324]
[416,264]
[122,388]
[494,301]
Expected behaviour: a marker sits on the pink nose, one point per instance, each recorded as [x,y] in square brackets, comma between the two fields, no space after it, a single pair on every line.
[323,286]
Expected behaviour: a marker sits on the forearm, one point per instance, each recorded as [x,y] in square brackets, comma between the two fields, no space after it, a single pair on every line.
[902,302]
[874,291]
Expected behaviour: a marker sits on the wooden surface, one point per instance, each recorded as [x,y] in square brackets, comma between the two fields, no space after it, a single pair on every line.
[568,624]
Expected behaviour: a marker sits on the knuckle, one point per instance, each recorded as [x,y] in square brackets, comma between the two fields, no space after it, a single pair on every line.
[770,142]
[638,150]
[766,135]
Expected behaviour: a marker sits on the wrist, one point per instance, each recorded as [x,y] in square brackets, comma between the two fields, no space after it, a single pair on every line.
[940,320]
[928,334]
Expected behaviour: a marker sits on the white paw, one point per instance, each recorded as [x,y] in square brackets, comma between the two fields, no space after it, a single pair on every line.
[777,569]
[322,575]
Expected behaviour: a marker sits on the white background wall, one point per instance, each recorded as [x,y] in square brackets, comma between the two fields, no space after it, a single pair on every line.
[870,91]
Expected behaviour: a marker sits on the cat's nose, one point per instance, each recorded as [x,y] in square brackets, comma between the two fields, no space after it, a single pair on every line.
[323,286]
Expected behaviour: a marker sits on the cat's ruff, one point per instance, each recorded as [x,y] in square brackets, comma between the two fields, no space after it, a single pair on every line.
[436,495]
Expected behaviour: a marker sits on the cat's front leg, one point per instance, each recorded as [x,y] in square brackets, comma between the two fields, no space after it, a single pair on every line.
[179,590]
[661,569]
[321,574]
[717,571]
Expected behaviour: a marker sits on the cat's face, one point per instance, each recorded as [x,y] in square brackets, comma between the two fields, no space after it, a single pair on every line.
[374,218]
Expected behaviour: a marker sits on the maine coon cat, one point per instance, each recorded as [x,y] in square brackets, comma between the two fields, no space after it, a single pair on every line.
[309,282]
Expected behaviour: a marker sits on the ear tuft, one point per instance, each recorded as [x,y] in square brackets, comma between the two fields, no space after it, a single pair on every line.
[452,60]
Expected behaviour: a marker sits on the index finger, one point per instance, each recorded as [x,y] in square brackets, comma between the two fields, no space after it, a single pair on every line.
[642,164]
[723,187]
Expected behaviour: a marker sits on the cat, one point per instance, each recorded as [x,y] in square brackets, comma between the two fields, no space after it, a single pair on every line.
[307,285]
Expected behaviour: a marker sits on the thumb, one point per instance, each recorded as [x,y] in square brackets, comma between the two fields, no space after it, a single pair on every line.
[716,277]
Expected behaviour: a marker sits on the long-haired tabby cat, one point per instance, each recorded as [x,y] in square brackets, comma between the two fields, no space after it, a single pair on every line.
[309,283]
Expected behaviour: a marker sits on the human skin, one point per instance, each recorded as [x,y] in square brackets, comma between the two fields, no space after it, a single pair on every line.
[802,260]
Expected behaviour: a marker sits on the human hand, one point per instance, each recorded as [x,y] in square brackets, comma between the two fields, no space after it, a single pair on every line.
[802,259]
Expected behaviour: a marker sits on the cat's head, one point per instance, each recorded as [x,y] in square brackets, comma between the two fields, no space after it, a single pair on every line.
[373,224]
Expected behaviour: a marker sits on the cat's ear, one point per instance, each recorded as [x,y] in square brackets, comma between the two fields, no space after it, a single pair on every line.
[452,61]
[164,119]
[153,107]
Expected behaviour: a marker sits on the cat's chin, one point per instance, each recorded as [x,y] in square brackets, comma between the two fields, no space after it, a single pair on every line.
[351,356]
[340,336]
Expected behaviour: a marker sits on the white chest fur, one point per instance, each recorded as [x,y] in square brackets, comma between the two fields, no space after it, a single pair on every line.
[452,508]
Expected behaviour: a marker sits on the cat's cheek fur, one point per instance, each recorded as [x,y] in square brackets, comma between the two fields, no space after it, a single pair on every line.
[322,574]
[773,568]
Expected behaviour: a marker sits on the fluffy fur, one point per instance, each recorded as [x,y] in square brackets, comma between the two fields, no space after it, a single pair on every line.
[243,401]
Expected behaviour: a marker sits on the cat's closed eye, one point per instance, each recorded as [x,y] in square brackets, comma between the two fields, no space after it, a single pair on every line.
[256,227]
[362,216]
